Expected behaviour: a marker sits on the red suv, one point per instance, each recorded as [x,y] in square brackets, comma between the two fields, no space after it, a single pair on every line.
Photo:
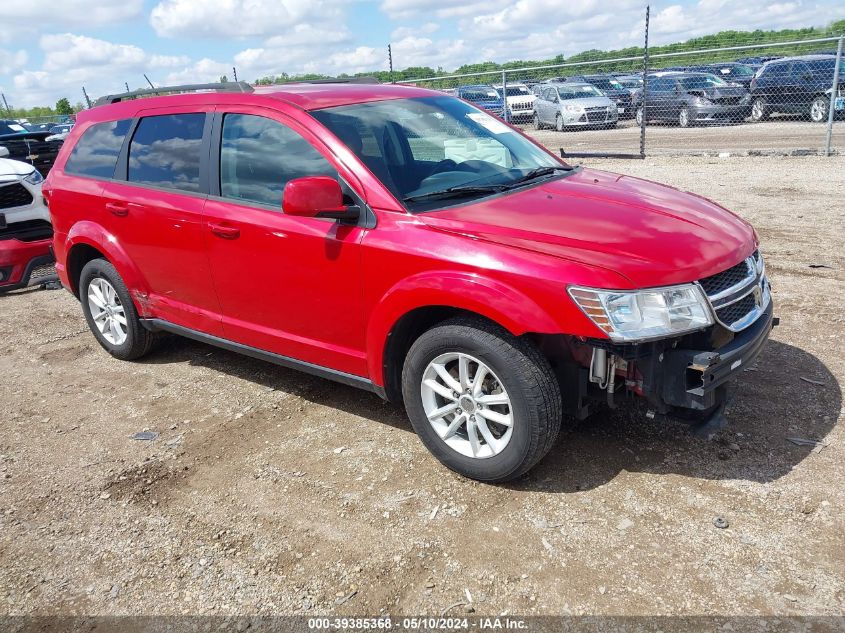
[406,242]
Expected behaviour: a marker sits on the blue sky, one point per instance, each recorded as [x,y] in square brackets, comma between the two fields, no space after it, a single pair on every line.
[51,49]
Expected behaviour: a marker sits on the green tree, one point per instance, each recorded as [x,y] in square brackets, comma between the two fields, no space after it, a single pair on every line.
[63,106]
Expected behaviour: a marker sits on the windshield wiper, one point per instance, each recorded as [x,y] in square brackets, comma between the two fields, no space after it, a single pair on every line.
[538,173]
[456,192]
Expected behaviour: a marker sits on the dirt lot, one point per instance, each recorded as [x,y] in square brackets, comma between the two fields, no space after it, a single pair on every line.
[782,135]
[268,491]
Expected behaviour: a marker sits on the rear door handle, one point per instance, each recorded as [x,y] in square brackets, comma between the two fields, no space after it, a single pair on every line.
[226,232]
[119,209]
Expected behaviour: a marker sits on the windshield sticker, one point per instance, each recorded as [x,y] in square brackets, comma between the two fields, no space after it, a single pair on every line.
[488,123]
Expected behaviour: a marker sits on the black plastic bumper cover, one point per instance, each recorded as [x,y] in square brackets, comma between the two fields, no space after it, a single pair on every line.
[691,378]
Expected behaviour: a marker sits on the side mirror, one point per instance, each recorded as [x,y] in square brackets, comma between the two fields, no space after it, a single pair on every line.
[4,151]
[316,197]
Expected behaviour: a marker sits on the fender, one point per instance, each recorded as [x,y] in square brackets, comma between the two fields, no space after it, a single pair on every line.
[94,235]
[469,291]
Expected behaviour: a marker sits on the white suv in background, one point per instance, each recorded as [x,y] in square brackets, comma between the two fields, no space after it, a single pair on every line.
[520,101]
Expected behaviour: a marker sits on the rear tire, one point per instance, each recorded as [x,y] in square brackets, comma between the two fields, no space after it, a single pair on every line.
[818,109]
[559,123]
[516,372]
[115,323]
[639,116]
[759,110]
[683,117]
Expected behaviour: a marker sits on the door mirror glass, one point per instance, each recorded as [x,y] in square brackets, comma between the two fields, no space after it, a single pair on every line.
[315,197]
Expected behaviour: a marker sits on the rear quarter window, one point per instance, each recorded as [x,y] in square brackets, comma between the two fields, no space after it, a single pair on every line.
[95,153]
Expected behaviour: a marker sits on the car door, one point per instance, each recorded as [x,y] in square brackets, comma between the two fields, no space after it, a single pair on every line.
[287,285]
[548,105]
[655,98]
[153,210]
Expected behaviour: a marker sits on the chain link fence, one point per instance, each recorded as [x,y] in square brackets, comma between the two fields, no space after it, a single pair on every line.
[772,97]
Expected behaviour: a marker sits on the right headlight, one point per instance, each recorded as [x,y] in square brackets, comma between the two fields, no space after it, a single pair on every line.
[641,315]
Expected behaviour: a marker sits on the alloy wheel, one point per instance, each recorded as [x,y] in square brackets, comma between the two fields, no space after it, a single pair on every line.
[559,123]
[467,405]
[758,110]
[683,117]
[818,110]
[107,311]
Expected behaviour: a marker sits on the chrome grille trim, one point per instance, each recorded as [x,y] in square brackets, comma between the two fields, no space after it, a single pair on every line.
[755,282]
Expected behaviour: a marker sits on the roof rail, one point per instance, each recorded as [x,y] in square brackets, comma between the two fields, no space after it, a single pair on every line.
[338,80]
[229,86]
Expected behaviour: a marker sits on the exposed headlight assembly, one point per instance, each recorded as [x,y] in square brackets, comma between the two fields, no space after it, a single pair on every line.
[34,178]
[642,315]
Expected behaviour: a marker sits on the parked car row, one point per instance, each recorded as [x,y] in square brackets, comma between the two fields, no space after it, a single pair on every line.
[706,94]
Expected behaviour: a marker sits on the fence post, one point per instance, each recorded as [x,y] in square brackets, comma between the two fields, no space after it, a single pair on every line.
[833,94]
[645,85]
[390,62]
[505,114]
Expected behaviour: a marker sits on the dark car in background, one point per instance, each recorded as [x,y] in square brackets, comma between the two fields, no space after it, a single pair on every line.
[798,85]
[27,146]
[614,91]
[485,97]
[731,72]
[694,99]
[757,60]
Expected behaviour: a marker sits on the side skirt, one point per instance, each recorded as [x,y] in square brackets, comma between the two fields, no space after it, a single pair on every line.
[158,325]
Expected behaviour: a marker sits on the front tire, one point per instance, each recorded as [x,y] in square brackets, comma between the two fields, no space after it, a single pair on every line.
[639,116]
[110,312]
[683,117]
[485,403]
[559,123]
[537,125]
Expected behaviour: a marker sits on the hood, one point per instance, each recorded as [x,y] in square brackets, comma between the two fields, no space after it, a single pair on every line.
[589,102]
[649,233]
[14,168]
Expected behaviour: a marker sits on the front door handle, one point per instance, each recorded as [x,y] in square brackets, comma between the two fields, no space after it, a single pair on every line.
[226,232]
[119,209]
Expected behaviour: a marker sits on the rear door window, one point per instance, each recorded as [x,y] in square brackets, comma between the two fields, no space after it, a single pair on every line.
[259,156]
[165,151]
[95,153]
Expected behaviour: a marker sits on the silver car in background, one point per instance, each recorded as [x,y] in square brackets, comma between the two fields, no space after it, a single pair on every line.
[572,105]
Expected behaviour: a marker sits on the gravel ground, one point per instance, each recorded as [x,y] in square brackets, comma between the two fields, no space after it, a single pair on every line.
[271,492]
[781,134]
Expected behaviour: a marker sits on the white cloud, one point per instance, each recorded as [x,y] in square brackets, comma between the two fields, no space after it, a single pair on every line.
[404,9]
[239,18]
[20,19]
[72,61]
[412,31]
[12,61]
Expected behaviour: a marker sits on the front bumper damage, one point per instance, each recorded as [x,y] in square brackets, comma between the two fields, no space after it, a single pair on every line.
[684,378]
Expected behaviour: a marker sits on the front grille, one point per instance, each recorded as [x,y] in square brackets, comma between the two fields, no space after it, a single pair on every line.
[720,282]
[595,115]
[14,195]
[734,312]
[521,106]
[28,231]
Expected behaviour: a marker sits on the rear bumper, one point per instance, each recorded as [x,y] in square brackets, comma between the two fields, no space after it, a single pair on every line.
[718,113]
[25,263]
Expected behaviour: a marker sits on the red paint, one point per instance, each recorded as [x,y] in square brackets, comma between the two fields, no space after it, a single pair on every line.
[328,293]
[17,255]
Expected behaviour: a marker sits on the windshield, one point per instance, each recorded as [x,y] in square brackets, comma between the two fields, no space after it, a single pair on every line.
[480,95]
[606,84]
[419,147]
[701,82]
[517,91]
[579,91]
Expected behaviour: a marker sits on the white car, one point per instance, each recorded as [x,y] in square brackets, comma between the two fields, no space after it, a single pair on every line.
[520,101]
[25,230]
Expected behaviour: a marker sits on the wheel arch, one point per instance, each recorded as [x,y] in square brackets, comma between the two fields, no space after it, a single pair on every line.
[418,304]
[87,241]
